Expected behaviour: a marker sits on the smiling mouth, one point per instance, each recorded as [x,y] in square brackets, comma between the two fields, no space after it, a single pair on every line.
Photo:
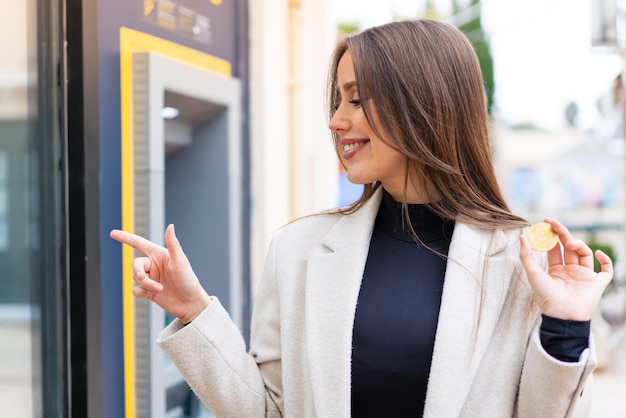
[351,149]
[353,146]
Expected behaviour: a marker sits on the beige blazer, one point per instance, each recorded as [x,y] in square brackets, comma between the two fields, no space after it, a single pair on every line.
[487,360]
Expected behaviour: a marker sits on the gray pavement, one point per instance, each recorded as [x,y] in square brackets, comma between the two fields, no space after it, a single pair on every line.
[609,388]
[16,395]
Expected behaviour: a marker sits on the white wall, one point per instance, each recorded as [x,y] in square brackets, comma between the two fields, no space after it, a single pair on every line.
[17,52]
[294,168]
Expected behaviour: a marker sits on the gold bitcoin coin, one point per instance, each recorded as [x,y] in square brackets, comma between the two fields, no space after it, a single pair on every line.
[541,237]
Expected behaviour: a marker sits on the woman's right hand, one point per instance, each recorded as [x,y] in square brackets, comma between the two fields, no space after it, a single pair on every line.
[165,275]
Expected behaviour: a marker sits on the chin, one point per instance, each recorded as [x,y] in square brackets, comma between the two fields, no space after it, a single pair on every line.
[357,179]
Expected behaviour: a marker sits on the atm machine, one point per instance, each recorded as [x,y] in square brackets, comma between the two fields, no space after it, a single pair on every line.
[186,171]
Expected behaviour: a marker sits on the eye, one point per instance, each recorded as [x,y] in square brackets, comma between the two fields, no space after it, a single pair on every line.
[355,102]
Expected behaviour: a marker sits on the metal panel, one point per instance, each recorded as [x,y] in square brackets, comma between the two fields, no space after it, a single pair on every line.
[216,145]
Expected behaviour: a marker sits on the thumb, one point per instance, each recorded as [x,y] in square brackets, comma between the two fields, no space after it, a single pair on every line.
[172,244]
[533,269]
[605,262]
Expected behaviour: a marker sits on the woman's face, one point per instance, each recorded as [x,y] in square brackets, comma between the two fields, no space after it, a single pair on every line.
[366,157]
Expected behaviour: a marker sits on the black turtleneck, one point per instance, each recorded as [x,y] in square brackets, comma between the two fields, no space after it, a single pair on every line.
[398,309]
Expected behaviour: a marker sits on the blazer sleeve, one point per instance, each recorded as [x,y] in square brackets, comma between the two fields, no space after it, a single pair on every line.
[211,354]
[553,388]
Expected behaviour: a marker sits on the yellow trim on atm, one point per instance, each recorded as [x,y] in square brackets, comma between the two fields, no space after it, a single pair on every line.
[133,41]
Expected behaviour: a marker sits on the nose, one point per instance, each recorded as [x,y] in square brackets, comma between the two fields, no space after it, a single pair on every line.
[339,122]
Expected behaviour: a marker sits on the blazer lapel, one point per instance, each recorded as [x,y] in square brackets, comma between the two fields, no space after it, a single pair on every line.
[332,289]
[459,347]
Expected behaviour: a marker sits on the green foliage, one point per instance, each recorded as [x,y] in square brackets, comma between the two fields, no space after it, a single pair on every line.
[430,11]
[348,28]
[473,29]
[571,114]
[608,250]
[523,126]
[605,248]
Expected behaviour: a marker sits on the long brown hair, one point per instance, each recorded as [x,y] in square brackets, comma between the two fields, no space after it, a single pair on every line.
[424,81]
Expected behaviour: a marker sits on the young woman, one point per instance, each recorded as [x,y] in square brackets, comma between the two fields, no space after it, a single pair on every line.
[421,299]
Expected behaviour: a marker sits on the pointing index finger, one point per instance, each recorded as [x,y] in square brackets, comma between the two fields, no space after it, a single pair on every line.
[135,241]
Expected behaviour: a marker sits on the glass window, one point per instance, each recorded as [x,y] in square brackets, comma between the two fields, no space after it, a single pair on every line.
[32,359]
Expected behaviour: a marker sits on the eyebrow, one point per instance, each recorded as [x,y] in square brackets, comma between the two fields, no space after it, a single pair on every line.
[347,86]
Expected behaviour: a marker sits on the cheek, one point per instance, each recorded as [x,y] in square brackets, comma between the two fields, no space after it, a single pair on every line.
[386,153]
[396,161]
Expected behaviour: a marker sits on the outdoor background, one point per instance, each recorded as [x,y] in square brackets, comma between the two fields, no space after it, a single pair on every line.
[553,73]
[558,131]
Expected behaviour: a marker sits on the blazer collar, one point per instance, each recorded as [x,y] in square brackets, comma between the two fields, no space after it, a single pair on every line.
[355,228]
[472,290]
[332,289]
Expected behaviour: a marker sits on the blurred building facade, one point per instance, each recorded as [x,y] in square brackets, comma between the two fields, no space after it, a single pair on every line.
[577,175]
[84,148]
[571,175]
[294,166]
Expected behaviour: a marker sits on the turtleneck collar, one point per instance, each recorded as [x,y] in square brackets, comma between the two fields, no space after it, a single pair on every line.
[427,225]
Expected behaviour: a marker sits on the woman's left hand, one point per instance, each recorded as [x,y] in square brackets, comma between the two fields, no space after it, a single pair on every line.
[570,289]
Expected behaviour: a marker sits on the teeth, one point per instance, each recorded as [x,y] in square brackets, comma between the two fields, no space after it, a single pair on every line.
[350,147]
